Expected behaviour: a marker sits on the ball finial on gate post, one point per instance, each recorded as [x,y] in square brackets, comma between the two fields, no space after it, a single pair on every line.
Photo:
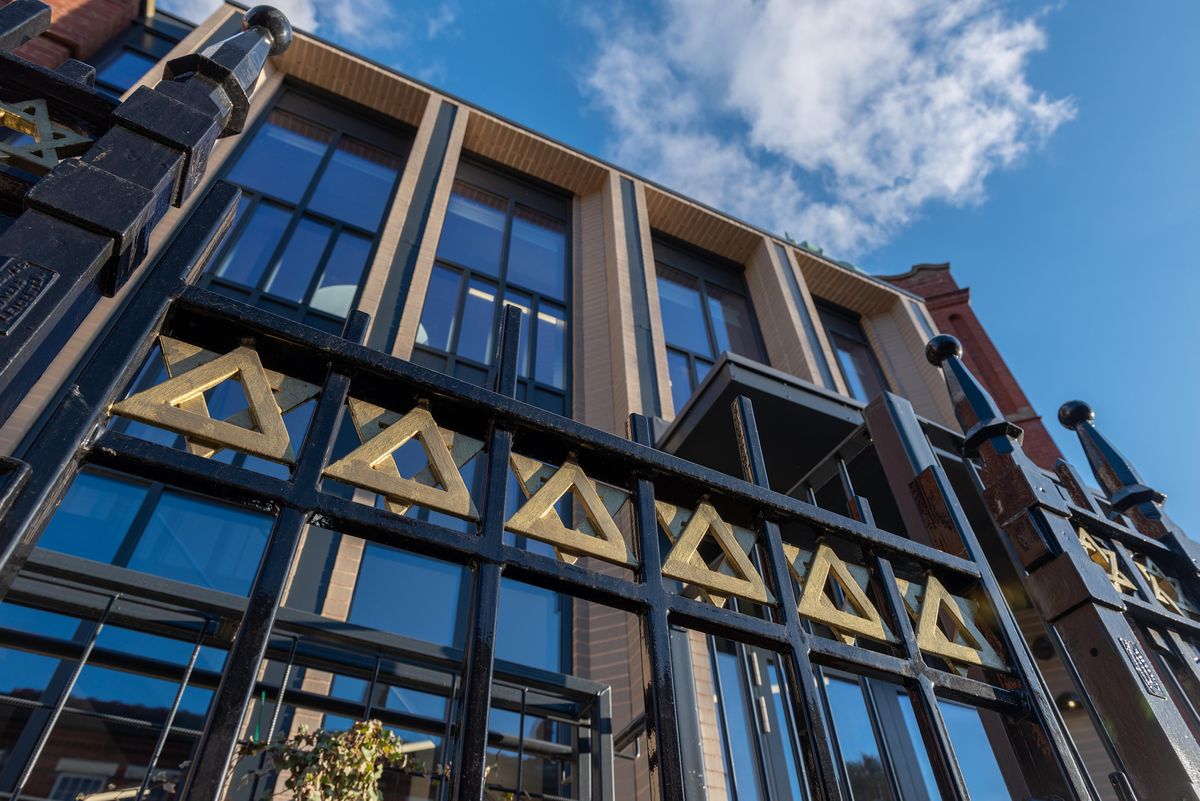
[1074,413]
[274,22]
[941,348]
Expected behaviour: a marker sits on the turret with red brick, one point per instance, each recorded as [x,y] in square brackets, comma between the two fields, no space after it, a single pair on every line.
[950,306]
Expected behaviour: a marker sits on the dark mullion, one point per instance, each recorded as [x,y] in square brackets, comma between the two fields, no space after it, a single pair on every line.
[709,327]
[714,665]
[322,265]
[253,201]
[456,335]
[297,214]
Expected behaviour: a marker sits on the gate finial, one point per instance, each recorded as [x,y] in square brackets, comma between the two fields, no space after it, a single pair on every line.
[977,413]
[226,72]
[1116,474]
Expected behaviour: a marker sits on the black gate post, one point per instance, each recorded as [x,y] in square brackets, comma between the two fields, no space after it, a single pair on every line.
[1071,595]
[87,223]
[932,513]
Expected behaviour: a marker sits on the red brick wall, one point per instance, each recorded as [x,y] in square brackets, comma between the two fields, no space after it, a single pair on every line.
[80,28]
[950,306]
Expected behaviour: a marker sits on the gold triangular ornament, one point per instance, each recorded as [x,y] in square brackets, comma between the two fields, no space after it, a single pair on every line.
[172,405]
[538,518]
[180,357]
[685,564]
[372,467]
[815,603]
[1107,560]
[976,650]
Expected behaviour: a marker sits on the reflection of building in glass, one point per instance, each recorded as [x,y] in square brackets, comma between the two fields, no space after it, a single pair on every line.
[364,191]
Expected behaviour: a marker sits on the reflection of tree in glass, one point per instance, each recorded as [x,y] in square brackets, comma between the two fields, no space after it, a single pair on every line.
[868,782]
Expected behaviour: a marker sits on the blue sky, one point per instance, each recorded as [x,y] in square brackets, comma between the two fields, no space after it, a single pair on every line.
[1048,151]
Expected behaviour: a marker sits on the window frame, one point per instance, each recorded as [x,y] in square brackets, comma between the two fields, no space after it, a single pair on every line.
[707,269]
[515,190]
[838,321]
[342,120]
[167,31]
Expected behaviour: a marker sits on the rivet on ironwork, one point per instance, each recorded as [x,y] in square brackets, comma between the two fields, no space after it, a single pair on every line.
[685,564]
[861,620]
[176,404]
[545,486]
[371,466]
[51,142]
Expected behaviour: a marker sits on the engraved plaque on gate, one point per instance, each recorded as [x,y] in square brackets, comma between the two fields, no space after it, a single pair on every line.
[21,284]
[1143,668]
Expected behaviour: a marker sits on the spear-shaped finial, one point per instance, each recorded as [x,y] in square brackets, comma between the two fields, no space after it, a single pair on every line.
[1117,476]
[977,413]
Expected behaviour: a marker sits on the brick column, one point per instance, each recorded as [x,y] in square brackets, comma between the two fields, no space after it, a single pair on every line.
[950,306]
[80,29]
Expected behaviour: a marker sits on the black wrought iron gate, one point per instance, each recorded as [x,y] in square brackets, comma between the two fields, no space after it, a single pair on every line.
[820,589]
[1112,576]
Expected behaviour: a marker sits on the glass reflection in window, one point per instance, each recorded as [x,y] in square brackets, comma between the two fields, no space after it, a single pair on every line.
[458,328]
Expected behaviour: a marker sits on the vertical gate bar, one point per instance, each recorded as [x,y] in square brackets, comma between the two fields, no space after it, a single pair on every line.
[662,730]
[907,456]
[161,743]
[55,455]
[469,769]
[214,753]
[807,696]
[63,697]
[928,713]
[930,721]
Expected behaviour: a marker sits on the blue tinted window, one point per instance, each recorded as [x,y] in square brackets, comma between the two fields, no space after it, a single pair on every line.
[739,718]
[94,517]
[974,752]
[24,618]
[283,156]
[474,229]
[102,689]
[295,269]
[551,344]
[203,543]
[531,626]
[681,378]
[124,70]
[339,282]
[682,314]
[861,757]
[441,303]
[407,594]
[245,261]
[537,255]
[914,734]
[731,322]
[475,337]
[24,675]
[357,184]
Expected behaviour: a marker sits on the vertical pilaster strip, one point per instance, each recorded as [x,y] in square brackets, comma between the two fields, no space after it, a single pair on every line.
[815,352]
[404,265]
[643,333]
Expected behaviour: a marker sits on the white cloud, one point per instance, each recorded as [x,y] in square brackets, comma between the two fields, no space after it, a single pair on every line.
[834,121]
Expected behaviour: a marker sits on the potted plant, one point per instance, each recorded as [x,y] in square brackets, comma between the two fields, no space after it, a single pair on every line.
[332,766]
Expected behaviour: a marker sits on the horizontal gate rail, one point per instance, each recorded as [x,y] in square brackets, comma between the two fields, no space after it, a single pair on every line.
[340,370]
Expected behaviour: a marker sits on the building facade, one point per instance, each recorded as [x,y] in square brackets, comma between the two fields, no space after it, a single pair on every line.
[537,354]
